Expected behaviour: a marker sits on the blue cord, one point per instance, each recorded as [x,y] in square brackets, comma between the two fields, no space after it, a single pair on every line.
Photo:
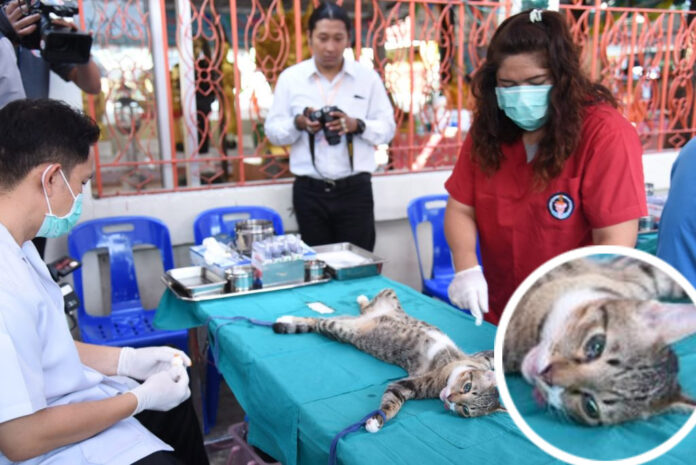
[350,429]
[231,319]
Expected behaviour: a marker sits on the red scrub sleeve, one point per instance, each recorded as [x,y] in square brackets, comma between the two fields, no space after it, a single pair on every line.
[460,184]
[612,187]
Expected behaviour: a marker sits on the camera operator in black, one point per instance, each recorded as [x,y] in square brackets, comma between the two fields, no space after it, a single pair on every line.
[332,112]
[20,25]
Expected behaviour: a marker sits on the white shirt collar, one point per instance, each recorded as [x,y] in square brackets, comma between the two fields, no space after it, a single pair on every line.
[348,68]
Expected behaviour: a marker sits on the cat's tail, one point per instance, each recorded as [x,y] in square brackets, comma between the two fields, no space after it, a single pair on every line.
[292,325]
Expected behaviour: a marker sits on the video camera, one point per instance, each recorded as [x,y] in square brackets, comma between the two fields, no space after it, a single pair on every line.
[323,115]
[58,44]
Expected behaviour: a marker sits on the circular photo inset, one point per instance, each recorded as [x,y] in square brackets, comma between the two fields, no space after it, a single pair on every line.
[595,356]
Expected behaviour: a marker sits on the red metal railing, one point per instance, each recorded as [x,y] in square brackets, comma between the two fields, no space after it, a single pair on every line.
[224,63]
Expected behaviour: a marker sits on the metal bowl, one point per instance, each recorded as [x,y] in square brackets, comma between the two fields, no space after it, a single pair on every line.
[249,231]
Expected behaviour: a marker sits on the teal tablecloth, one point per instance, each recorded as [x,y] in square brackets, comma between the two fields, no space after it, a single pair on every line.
[300,390]
[647,242]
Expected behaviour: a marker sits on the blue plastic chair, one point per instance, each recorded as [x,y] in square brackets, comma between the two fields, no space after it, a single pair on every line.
[431,208]
[129,324]
[214,222]
[222,220]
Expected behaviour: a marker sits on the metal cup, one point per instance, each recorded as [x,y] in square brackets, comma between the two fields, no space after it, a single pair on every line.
[314,270]
[646,223]
[241,278]
[249,231]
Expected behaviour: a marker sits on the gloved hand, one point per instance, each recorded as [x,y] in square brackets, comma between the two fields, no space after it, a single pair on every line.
[469,290]
[163,391]
[145,362]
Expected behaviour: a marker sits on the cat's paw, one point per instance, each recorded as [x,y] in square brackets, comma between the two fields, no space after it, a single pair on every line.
[363,300]
[374,424]
[291,324]
[286,325]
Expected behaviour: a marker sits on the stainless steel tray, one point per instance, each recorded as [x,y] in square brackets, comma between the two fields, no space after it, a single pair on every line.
[348,261]
[224,292]
[193,281]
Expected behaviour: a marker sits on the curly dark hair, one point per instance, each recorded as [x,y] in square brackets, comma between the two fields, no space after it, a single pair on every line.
[550,39]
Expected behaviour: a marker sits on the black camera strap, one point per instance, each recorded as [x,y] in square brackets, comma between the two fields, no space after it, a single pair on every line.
[349,141]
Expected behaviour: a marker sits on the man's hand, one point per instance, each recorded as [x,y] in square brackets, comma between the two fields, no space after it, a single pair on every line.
[469,290]
[63,23]
[303,123]
[163,391]
[343,123]
[145,362]
[23,25]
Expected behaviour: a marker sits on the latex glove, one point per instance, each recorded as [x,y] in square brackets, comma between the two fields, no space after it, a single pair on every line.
[145,362]
[163,391]
[469,290]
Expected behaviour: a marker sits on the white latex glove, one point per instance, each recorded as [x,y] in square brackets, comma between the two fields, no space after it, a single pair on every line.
[469,290]
[163,391]
[145,362]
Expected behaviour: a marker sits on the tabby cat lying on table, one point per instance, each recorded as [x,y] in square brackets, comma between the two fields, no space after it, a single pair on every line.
[595,346]
[436,366]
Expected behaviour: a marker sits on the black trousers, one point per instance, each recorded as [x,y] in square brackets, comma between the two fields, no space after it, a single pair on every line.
[335,211]
[180,429]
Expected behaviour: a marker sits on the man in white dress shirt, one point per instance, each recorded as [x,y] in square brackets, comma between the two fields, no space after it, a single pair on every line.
[62,401]
[332,151]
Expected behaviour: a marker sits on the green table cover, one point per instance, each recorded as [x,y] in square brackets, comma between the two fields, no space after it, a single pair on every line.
[300,390]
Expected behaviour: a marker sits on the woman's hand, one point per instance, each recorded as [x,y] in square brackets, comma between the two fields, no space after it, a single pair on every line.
[469,290]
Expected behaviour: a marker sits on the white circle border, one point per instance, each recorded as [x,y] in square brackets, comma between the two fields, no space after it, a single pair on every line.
[498,355]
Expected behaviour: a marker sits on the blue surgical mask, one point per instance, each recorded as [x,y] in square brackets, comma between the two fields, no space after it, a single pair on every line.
[55,226]
[526,106]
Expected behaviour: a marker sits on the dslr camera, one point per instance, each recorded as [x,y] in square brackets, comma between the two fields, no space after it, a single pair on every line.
[58,44]
[323,115]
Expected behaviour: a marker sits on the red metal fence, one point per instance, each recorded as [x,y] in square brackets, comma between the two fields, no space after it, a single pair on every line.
[221,62]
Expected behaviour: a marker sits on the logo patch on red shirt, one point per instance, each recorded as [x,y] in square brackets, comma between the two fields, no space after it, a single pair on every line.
[560,205]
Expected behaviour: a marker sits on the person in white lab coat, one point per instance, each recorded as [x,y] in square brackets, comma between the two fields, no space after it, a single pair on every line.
[62,401]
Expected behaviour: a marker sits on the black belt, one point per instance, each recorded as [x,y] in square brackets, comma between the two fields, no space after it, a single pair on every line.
[329,185]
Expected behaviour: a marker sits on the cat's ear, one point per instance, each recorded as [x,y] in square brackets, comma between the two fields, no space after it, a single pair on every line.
[500,409]
[670,322]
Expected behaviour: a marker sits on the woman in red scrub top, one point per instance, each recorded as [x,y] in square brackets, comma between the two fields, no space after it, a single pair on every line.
[549,165]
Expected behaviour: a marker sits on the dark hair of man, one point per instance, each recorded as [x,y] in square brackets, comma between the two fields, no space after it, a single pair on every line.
[328,10]
[39,131]
[572,91]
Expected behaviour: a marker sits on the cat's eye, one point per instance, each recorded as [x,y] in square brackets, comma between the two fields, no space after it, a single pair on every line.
[594,347]
[589,406]
[465,409]
[467,387]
